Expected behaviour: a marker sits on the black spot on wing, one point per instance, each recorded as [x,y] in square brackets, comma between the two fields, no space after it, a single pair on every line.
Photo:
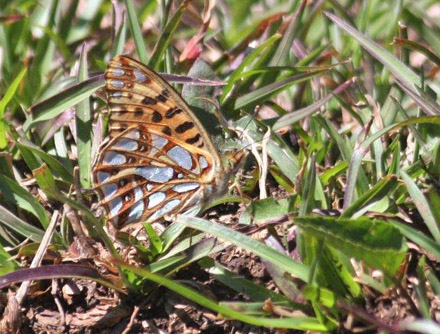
[166,130]
[170,113]
[194,139]
[184,127]
[161,98]
[157,117]
[149,101]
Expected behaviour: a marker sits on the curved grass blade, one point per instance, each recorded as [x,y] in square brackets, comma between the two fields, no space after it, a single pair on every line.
[295,268]
[23,199]
[165,37]
[136,32]
[57,167]
[9,94]
[417,47]
[236,75]
[55,105]
[422,206]
[56,271]
[243,285]
[20,226]
[358,154]
[399,69]
[376,193]
[264,93]
[300,114]
[84,128]
[120,39]
[301,323]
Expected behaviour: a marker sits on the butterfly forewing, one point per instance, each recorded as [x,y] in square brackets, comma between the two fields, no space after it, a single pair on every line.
[158,160]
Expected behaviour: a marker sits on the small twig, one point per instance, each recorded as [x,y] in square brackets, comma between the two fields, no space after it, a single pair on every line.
[264,166]
[132,319]
[54,290]
[39,255]
[11,318]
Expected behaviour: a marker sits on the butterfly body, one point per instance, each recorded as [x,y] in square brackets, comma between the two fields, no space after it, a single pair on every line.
[158,159]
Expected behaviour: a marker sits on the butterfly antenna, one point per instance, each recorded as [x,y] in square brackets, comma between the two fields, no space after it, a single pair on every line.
[254,115]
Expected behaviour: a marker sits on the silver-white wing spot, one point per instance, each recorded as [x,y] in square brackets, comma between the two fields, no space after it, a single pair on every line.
[117,83]
[136,211]
[126,144]
[140,76]
[181,156]
[102,176]
[165,209]
[109,190]
[115,206]
[138,194]
[184,187]
[155,199]
[155,174]
[158,142]
[203,162]
[116,71]
[113,158]
[135,134]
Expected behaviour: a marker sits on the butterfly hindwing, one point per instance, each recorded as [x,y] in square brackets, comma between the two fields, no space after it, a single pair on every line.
[143,175]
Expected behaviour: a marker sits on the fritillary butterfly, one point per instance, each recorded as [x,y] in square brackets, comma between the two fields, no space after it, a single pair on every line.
[158,159]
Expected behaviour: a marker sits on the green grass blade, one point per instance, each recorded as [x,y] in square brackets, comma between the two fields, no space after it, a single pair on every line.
[301,323]
[399,69]
[23,199]
[264,93]
[55,105]
[422,206]
[9,94]
[295,268]
[136,32]
[358,154]
[84,128]
[20,226]
[166,35]
[374,194]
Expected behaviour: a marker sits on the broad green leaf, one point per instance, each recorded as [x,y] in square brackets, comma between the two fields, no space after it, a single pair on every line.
[376,242]
[266,209]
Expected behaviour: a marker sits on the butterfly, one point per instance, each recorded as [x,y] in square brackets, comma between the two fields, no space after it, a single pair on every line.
[158,159]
